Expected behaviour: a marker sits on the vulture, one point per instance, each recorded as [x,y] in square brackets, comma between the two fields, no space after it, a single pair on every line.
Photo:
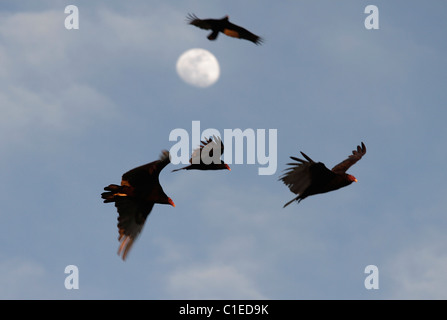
[206,151]
[134,199]
[307,177]
[225,26]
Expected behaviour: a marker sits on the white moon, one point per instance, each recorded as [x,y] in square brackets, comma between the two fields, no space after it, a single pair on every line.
[198,67]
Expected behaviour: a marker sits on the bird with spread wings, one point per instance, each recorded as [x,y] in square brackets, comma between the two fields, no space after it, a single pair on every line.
[307,177]
[207,156]
[134,199]
[224,26]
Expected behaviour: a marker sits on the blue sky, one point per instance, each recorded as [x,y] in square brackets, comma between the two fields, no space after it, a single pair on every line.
[81,107]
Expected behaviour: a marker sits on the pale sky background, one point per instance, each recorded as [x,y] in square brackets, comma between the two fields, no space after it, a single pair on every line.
[81,107]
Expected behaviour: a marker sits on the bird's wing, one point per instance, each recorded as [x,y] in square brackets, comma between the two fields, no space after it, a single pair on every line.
[213,144]
[304,173]
[208,146]
[236,31]
[297,177]
[142,174]
[131,219]
[351,160]
[206,24]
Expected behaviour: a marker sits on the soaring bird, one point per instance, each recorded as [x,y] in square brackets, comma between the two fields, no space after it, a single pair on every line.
[225,26]
[306,178]
[134,199]
[205,156]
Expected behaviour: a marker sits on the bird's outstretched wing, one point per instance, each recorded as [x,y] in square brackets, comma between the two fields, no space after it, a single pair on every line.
[236,31]
[304,173]
[298,177]
[208,147]
[142,174]
[351,160]
[132,216]
[206,24]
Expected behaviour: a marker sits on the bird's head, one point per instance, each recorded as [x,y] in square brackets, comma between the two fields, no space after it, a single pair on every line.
[351,178]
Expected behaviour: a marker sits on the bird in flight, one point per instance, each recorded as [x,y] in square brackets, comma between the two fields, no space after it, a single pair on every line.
[207,156]
[134,199]
[307,177]
[225,26]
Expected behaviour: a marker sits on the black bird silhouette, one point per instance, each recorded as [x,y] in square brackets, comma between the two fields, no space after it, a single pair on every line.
[225,26]
[207,151]
[306,178]
[134,199]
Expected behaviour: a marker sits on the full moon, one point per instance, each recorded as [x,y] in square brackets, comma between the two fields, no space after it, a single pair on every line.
[198,67]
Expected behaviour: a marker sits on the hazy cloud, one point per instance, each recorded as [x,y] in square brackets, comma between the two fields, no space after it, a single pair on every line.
[212,282]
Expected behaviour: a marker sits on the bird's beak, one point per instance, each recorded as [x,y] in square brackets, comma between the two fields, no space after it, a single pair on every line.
[355,179]
[171,202]
[228,167]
